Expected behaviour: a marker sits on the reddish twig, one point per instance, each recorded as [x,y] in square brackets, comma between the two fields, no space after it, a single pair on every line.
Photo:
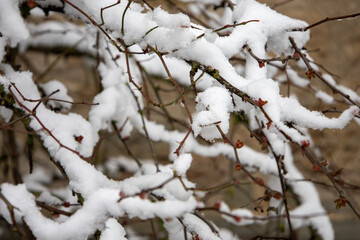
[33,114]
[312,72]
[177,151]
[11,208]
[327,19]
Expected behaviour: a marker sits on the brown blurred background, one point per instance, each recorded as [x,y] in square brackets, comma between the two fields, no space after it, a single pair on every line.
[336,46]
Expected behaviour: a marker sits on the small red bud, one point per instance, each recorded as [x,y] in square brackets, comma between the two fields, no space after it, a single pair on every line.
[277,196]
[239,144]
[237,218]
[143,195]
[196,237]
[237,167]
[122,194]
[31,4]
[261,64]
[324,163]
[310,74]
[259,181]
[341,181]
[316,168]
[337,172]
[261,103]
[340,202]
[217,205]
[66,204]
[305,143]
[79,138]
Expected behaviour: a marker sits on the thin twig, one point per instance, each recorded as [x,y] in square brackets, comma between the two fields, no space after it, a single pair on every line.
[327,19]
[311,72]
[11,208]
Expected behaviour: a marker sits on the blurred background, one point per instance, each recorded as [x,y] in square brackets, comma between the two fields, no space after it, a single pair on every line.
[335,45]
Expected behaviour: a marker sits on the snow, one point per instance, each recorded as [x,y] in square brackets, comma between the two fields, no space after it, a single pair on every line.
[173,35]
[56,85]
[113,230]
[2,47]
[182,164]
[324,97]
[10,17]
[212,112]
[6,113]
[271,29]
[244,215]
[353,95]
[196,225]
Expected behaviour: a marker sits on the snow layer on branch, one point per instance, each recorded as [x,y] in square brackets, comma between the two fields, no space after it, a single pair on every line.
[208,54]
[241,216]
[79,226]
[6,113]
[113,230]
[323,96]
[179,70]
[353,95]
[292,111]
[182,164]
[116,102]
[53,34]
[310,201]
[199,227]
[2,46]
[295,78]
[267,90]
[213,108]
[56,85]
[271,29]
[164,19]
[10,17]
[92,215]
